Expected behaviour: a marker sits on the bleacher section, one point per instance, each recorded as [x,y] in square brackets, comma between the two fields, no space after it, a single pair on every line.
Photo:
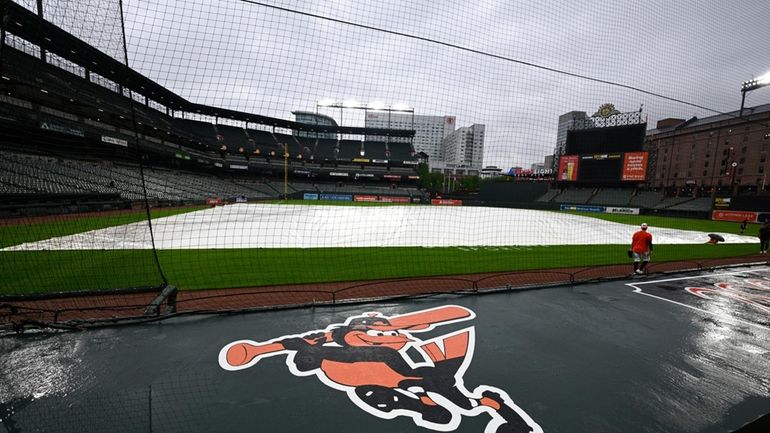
[265,143]
[375,150]
[575,196]
[700,204]
[549,196]
[200,132]
[350,149]
[235,138]
[646,199]
[612,197]
[325,149]
[25,173]
[400,151]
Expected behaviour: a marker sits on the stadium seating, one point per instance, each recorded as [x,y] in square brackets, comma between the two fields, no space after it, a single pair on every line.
[700,204]
[265,143]
[202,132]
[612,197]
[575,196]
[646,199]
[375,149]
[400,151]
[325,149]
[549,195]
[350,149]
[26,173]
[235,138]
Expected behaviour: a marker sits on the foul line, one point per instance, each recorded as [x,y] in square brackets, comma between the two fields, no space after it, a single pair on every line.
[723,316]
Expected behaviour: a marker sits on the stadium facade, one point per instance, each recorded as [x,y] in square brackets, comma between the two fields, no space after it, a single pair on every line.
[717,154]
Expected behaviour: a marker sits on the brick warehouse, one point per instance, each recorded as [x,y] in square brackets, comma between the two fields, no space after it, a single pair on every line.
[723,153]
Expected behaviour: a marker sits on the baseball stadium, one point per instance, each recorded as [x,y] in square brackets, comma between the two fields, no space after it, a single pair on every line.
[386,216]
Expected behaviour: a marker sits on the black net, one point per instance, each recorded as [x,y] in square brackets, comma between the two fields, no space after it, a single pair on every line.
[253,153]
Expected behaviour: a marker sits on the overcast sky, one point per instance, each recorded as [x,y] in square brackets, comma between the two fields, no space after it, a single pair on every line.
[259,59]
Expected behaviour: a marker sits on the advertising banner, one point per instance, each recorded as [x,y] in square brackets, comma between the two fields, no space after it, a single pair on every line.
[446,202]
[364,198]
[116,141]
[634,166]
[310,196]
[623,210]
[239,167]
[391,176]
[338,174]
[568,168]
[337,197]
[60,127]
[211,201]
[722,202]
[734,215]
[393,199]
[580,208]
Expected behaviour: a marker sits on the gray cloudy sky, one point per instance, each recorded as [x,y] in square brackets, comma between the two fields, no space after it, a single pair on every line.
[251,57]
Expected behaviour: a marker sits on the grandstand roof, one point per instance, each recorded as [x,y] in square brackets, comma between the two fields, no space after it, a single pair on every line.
[31,27]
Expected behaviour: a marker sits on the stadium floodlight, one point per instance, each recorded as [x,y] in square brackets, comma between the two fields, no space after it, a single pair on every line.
[753,84]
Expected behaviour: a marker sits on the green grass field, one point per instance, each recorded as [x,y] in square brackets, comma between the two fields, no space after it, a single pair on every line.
[26,272]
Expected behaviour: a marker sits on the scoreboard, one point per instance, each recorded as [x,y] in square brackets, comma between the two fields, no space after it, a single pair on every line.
[603,167]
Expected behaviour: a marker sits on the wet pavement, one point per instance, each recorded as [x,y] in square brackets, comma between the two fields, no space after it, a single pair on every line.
[659,355]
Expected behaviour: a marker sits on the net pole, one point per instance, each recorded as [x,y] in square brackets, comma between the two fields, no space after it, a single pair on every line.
[286,174]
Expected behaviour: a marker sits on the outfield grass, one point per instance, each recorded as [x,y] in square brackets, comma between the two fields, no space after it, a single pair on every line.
[54,271]
[24,272]
[36,231]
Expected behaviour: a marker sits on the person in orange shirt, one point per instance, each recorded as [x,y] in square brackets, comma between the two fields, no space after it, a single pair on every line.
[641,248]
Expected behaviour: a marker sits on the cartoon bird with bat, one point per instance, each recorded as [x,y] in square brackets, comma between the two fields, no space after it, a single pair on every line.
[366,357]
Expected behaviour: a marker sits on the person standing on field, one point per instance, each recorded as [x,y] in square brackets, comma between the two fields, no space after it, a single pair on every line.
[641,247]
[764,238]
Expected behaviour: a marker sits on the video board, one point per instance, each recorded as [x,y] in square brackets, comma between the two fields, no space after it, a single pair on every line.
[603,167]
[618,139]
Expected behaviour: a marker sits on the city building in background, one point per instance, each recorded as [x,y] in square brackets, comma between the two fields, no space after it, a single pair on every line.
[429,130]
[464,147]
[723,153]
[566,122]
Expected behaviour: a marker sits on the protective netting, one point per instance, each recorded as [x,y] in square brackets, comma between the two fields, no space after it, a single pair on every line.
[203,144]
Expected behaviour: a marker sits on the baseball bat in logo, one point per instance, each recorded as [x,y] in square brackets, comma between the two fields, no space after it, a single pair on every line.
[366,357]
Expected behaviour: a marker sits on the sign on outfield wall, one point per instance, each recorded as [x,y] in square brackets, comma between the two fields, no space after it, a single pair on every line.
[623,210]
[394,199]
[364,198]
[310,196]
[337,197]
[446,202]
[734,215]
[579,208]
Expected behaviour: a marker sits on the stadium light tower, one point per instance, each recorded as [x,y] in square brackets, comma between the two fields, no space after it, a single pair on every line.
[753,84]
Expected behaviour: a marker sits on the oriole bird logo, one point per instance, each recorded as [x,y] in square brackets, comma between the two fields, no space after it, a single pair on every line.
[366,357]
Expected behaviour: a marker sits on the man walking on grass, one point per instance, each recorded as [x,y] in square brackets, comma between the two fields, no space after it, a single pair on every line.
[641,248]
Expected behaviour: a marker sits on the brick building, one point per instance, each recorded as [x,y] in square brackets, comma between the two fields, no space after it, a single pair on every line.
[722,153]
